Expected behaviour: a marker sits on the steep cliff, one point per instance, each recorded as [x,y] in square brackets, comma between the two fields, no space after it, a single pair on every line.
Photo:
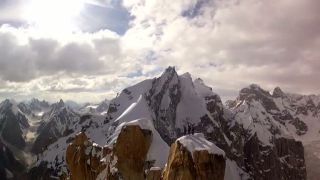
[193,157]
[270,150]
[83,158]
[126,158]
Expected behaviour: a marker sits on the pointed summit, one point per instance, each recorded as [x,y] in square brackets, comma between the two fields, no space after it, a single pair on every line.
[58,105]
[170,71]
[277,92]
[5,104]
[61,101]
[253,91]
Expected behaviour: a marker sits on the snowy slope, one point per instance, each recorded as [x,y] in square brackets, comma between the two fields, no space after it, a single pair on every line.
[197,142]
[90,108]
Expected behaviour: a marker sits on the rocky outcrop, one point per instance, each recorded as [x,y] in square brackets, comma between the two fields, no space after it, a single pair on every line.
[131,151]
[201,163]
[126,159]
[154,173]
[83,158]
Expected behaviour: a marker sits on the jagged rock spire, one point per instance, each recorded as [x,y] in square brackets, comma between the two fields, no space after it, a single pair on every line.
[277,92]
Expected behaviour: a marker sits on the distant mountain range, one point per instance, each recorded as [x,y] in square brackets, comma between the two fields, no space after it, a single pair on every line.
[263,134]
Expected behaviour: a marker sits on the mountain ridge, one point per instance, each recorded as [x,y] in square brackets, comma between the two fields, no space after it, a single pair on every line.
[172,104]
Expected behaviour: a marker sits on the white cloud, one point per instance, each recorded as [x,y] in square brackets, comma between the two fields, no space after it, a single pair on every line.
[228,43]
[231,44]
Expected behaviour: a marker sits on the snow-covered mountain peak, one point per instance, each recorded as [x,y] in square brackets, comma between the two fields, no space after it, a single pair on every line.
[171,70]
[172,101]
[55,123]
[277,92]
[13,123]
[253,91]
[10,104]
[5,104]
[202,89]
[37,106]
[58,105]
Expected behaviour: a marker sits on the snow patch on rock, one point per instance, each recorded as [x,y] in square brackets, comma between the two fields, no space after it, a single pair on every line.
[198,142]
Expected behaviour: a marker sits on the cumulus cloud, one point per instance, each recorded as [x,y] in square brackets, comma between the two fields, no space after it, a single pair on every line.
[44,56]
[228,43]
[231,44]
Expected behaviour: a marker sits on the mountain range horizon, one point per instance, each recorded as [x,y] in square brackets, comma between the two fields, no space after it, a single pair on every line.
[75,102]
[282,124]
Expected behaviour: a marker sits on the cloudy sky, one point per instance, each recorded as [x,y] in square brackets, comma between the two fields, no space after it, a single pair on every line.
[88,50]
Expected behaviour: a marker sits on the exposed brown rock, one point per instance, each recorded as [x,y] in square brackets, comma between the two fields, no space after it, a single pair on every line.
[208,165]
[125,160]
[203,165]
[154,174]
[83,158]
[180,164]
[130,152]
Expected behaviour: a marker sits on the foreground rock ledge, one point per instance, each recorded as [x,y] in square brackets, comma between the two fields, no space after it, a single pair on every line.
[124,160]
[83,158]
[193,157]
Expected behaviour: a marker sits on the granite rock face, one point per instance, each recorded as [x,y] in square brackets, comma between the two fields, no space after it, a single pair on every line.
[126,159]
[131,150]
[199,164]
[154,174]
[83,158]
